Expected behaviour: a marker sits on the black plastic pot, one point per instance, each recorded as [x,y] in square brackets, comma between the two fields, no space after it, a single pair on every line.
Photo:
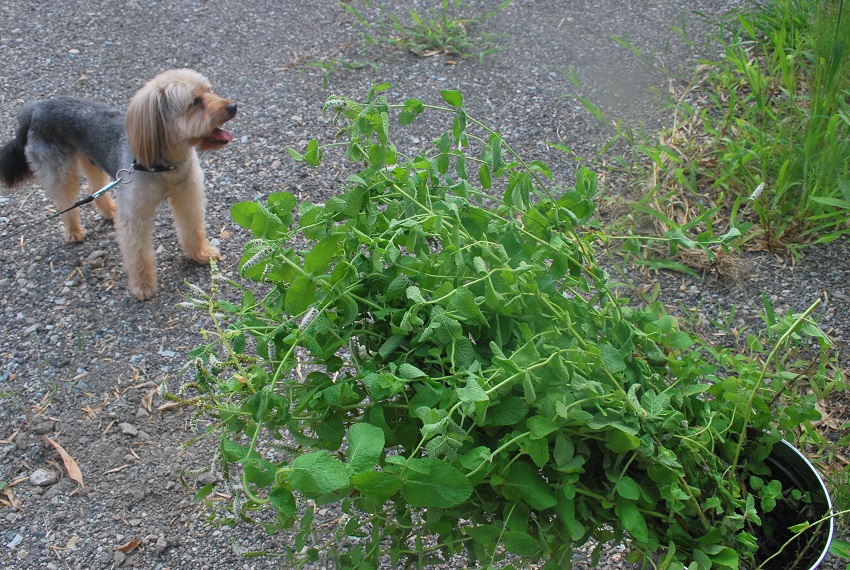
[808,550]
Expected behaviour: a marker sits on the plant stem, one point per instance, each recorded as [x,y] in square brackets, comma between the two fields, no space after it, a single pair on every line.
[748,410]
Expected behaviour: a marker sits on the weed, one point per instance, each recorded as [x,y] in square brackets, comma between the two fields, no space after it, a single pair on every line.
[329,66]
[448,29]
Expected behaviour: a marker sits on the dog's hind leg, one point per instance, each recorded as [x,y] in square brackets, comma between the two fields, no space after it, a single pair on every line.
[62,183]
[97,179]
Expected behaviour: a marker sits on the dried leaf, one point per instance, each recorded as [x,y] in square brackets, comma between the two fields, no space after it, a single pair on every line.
[70,465]
[9,439]
[10,499]
[168,406]
[18,480]
[130,546]
[92,410]
[147,400]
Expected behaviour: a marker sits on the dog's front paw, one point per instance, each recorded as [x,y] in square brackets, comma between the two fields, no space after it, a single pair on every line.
[75,235]
[203,255]
[143,291]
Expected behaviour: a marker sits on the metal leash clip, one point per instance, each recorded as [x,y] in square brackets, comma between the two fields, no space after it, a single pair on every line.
[123,176]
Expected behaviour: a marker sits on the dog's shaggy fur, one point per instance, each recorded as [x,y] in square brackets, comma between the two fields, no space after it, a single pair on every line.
[167,121]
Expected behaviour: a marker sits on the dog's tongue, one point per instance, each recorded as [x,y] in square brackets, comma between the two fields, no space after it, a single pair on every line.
[221,135]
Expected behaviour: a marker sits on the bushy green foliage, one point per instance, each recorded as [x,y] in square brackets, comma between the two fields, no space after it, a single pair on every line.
[438,353]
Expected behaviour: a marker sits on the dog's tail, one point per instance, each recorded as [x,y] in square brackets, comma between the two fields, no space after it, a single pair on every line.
[14,168]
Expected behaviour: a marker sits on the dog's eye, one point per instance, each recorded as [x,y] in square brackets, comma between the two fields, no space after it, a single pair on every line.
[197,101]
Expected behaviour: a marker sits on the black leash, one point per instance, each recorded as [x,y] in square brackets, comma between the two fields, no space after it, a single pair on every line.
[119,179]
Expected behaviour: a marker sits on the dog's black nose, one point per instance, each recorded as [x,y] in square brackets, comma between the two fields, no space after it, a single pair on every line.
[231,109]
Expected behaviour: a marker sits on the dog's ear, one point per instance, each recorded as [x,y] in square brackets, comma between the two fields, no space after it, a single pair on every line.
[147,126]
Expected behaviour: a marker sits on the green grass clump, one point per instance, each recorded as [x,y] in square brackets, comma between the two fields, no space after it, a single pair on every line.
[448,29]
[761,137]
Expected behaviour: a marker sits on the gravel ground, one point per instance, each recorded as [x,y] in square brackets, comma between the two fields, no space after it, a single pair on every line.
[80,360]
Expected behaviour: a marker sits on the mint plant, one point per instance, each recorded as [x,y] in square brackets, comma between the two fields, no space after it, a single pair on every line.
[437,352]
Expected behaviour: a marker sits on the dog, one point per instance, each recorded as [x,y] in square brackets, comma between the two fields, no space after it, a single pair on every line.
[154,144]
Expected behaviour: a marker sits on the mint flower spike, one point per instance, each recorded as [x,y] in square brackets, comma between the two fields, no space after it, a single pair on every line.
[757,192]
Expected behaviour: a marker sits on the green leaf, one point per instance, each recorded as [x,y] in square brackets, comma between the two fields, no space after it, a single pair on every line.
[296,156]
[412,109]
[541,426]
[232,451]
[632,520]
[313,155]
[283,502]
[462,352]
[507,412]
[492,153]
[840,548]
[282,202]
[619,441]
[520,543]
[485,534]
[453,98]
[540,167]
[365,445]
[484,176]
[524,483]
[315,474]
[414,294]
[677,236]
[459,125]
[443,163]
[463,301]
[628,488]
[408,372]
[612,358]
[564,451]
[320,255]
[378,484]
[300,295]
[537,450]
[472,392]
[433,483]
[203,492]
[243,213]
[681,341]
[444,143]
[726,558]
[655,404]
[390,345]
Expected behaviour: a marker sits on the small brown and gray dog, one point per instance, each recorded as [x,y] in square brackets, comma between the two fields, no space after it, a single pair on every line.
[167,121]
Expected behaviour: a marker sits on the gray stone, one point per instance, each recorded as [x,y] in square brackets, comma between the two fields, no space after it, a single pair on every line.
[161,546]
[207,478]
[43,478]
[44,427]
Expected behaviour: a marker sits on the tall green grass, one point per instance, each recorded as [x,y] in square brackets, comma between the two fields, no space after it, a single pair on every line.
[783,91]
[761,136]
